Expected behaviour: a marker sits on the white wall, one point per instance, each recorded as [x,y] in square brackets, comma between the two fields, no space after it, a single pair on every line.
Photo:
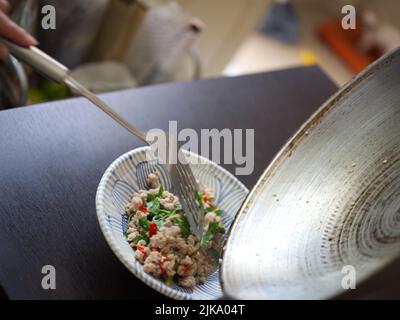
[228,22]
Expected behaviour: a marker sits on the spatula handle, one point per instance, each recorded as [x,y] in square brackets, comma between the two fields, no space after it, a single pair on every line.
[38,60]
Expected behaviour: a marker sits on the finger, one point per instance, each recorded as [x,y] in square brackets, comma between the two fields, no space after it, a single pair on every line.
[3,52]
[13,32]
[4,6]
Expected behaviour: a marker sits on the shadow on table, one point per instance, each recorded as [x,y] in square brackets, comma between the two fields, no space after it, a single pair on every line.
[3,295]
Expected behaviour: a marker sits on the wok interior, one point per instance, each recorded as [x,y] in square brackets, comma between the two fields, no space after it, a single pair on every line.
[330,200]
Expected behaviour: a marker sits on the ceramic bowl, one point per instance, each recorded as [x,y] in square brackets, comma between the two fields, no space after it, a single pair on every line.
[116,188]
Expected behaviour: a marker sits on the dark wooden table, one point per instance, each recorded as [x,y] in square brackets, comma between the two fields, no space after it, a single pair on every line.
[53,155]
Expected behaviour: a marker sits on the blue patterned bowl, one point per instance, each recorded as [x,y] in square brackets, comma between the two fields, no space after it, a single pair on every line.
[116,188]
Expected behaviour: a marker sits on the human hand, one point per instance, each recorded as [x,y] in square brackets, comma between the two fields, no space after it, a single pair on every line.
[11,31]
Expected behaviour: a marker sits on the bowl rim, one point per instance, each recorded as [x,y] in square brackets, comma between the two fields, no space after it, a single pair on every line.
[154,283]
[291,144]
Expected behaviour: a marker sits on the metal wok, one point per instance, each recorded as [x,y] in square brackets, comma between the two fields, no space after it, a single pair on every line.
[327,209]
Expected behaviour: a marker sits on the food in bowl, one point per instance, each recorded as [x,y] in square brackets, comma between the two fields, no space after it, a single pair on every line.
[160,235]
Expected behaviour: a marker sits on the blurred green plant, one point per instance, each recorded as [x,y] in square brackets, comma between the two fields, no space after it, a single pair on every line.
[47,90]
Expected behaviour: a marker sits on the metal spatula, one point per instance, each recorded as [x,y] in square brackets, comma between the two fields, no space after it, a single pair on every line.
[181,175]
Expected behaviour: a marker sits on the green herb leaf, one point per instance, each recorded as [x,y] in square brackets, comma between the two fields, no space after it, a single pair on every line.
[167,212]
[160,222]
[213,228]
[206,238]
[200,200]
[140,237]
[160,219]
[144,223]
[184,225]
[150,197]
[154,206]
[150,216]
[169,280]
[160,191]
[217,211]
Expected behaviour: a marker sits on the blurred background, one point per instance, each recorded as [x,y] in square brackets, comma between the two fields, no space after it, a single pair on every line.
[120,44]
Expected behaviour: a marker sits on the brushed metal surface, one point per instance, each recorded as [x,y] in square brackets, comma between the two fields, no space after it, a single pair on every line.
[330,198]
